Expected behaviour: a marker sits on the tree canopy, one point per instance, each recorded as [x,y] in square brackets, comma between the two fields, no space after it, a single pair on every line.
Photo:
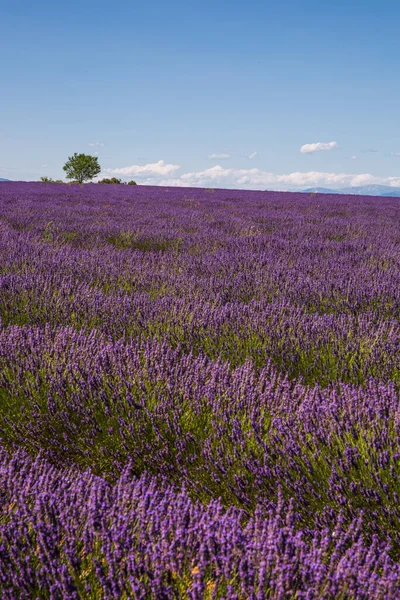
[82,167]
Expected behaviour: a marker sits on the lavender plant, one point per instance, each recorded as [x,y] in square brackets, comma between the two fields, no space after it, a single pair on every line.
[72,535]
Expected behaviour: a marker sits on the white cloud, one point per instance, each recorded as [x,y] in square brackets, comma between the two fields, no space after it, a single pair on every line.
[162,173]
[45,166]
[219,176]
[318,147]
[353,157]
[96,144]
[395,154]
[158,169]
[251,156]
[219,156]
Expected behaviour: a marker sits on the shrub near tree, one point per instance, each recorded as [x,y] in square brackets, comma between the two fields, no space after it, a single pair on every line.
[82,167]
[111,180]
[46,179]
[115,180]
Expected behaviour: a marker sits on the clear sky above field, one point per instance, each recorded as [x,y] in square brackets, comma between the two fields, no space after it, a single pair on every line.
[206,93]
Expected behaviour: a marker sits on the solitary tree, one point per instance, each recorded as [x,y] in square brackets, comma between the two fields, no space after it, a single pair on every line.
[82,167]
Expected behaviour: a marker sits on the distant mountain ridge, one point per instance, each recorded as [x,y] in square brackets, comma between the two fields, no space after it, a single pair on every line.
[361,190]
[1,179]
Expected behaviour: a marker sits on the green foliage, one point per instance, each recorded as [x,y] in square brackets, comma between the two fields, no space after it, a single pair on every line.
[82,167]
[127,239]
[46,179]
[112,180]
[115,180]
[47,235]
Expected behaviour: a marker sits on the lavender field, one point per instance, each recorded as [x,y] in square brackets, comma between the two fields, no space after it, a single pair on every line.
[199,394]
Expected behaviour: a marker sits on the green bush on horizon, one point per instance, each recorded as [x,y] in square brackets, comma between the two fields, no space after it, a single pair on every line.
[112,180]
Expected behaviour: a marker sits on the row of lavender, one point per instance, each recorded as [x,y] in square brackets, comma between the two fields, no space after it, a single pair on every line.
[245,345]
[68,535]
[239,435]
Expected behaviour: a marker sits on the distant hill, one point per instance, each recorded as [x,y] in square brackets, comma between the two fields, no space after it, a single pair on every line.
[394,194]
[361,190]
[1,179]
[372,190]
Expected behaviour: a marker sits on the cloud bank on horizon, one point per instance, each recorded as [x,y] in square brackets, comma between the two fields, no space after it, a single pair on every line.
[162,173]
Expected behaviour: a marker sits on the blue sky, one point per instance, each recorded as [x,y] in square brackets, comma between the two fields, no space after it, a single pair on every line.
[161,90]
